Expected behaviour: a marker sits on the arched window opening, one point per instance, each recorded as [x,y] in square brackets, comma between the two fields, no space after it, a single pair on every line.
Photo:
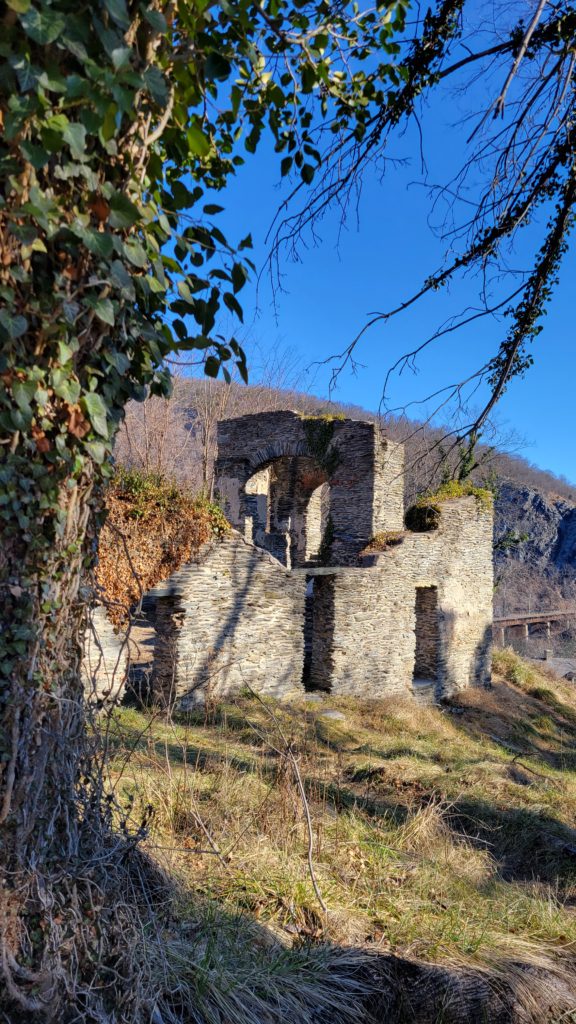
[285,508]
[317,514]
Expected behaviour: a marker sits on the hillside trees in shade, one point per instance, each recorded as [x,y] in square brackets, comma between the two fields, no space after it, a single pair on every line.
[122,121]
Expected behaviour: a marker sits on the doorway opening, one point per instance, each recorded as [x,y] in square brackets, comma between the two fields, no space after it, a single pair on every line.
[308,632]
[427,637]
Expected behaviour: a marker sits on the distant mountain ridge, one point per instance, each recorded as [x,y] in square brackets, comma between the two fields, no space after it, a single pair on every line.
[540,568]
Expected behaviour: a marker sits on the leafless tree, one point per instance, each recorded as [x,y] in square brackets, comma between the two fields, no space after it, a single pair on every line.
[157,437]
[519,170]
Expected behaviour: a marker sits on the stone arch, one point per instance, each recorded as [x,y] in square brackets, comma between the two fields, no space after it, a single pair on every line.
[275,504]
[364,471]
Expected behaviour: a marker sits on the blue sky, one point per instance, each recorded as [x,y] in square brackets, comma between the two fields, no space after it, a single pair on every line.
[376,262]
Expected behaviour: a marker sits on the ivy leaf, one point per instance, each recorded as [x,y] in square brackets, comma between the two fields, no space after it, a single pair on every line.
[94,407]
[69,390]
[121,57]
[71,311]
[123,213]
[35,155]
[97,450]
[156,85]
[15,326]
[121,279]
[135,252]
[118,12]
[75,135]
[27,77]
[23,393]
[104,311]
[156,20]
[211,366]
[217,68]
[233,305]
[117,359]
[198,143]
[239,277]
[42,26]
[100,243]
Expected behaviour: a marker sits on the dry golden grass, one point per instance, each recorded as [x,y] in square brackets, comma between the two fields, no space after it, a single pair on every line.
[442,835]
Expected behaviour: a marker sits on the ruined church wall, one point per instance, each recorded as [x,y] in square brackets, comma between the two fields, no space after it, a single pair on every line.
[233,618]
[364,622]
[365,476]
[388,502]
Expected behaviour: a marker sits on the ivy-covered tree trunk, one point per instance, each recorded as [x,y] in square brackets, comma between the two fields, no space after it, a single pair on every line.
[42,617]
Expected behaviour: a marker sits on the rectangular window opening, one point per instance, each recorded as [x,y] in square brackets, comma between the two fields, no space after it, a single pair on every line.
[427,636]
[308,632]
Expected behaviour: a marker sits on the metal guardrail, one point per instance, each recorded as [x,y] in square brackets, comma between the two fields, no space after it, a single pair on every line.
[522,618]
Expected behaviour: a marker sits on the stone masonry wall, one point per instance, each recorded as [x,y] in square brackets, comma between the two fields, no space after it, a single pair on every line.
[233,618]
[105,660]
[364,639]
[388,505]
[412,619]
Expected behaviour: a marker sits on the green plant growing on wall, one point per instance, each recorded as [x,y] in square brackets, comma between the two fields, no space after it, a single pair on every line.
[424,515]
[384,540]
[319,432]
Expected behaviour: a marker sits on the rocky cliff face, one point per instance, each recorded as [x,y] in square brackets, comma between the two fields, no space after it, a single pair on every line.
[547,527]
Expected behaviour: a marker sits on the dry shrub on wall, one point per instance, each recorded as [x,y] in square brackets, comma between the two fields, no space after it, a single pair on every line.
[152,528]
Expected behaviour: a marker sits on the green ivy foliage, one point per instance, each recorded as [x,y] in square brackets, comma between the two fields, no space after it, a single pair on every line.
[120,120]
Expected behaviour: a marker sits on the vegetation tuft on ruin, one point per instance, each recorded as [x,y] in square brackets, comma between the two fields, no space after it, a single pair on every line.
[383,540]
[319,432]
[424,515]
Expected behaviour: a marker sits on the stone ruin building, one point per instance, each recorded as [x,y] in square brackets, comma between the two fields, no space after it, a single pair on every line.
[320,584]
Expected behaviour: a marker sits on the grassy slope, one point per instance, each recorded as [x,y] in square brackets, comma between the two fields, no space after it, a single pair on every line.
[442,835]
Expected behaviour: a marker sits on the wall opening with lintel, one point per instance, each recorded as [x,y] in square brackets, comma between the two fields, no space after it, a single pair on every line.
[427,635]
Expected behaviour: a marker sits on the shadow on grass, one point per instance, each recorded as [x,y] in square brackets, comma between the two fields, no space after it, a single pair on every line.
[528,844]
[532,722]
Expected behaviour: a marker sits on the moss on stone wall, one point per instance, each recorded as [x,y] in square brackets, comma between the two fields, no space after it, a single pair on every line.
[319,432]
[459,489]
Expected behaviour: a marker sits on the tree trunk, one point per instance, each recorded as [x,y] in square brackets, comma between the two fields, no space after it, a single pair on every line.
[45,813]
[42,714]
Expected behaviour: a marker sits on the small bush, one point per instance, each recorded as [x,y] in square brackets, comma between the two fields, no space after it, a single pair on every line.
[152,528]
[514,669]
[385,539]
